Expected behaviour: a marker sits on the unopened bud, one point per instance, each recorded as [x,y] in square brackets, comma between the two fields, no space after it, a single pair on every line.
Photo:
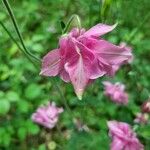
[146,107]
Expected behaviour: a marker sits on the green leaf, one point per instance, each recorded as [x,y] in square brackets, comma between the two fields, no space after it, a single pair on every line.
[88,141]
[22,132]
[32,128]
[33,91]
[4,107]
[12,96]
[144,131]
[42,147]
[23,106]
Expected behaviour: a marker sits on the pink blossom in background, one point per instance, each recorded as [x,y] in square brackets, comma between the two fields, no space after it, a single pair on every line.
[47,116]
[146,106]
[141,118]
[123,137]
[116,92]
[82,56]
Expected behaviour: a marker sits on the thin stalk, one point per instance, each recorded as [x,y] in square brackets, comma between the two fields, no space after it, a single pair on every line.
[59,130]
[14,40]
[70,21]
[8,7]
[26,52]
[54,81]
[62,97]
[90,12]
[9,34]
[132,35]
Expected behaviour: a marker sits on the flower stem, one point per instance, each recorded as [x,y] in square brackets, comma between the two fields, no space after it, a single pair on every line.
[72,18]
[132,35]
[26,52]
[62,97]
[24,49]
[14,40]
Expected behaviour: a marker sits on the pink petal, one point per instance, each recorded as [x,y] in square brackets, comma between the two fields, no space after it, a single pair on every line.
[64,76]
[51,63]
[67,48]
[96,71]
[117,144]
[107,83]
[94,67]
[99,29]
[78,75]
[115,128]
[134,146]
[112,54]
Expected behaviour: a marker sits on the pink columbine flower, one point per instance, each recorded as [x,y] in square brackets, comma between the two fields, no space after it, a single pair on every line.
[141,118]
[47,116]
[123,137]
[83,56]
[116,92]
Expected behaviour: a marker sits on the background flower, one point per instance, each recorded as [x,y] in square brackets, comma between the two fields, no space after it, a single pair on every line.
[123,138]
[116,92]
[141,118]
[146,107]
[47,116]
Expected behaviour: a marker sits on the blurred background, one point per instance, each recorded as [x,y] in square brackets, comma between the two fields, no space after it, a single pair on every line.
[22,90]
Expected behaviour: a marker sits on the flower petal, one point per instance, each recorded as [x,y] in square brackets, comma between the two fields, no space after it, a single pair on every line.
[51,63]
[117,144]
[99,29]
[111,53]
[64,76]
[78,74]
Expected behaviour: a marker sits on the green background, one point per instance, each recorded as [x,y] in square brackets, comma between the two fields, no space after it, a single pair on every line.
[22,90]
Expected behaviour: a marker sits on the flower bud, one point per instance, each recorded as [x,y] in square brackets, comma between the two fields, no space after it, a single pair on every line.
[141,118]
[146,107]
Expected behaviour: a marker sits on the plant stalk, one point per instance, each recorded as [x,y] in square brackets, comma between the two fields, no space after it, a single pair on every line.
[26,52]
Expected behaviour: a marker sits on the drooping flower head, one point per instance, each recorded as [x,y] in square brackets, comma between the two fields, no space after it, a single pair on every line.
[116,92]
[123,137]
[48,115]
[83,56]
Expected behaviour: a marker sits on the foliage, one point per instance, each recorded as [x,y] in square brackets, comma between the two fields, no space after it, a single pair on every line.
[22,90]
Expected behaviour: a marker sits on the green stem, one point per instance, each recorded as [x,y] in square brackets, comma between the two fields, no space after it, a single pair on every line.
[73,17]
[14,40]
[132,35]
[54,81]
[26,52]
[8,7]
[62,97]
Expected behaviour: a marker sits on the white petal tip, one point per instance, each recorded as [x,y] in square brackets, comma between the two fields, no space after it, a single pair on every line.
[40,73]
[115,24]
[79,94]
[80,97]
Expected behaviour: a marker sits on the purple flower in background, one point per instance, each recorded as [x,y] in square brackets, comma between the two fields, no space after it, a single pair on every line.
[47,116]
[123,137]
[116,92]
[82,56]
[141,118]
